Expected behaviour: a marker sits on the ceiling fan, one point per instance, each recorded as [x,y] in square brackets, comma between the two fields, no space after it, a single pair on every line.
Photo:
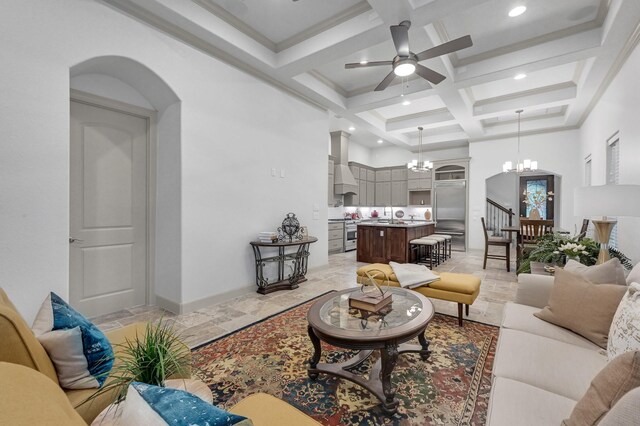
[406,62]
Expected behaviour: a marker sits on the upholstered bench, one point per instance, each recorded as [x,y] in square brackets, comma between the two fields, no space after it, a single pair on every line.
[460,288]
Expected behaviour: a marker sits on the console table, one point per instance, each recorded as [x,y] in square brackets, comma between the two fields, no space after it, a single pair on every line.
[298,258]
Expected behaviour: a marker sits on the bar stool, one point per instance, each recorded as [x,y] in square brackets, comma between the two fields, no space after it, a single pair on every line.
[447,242]
[441,245]
[430,246]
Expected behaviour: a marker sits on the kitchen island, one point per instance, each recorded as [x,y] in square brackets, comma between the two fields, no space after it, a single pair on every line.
[384,242]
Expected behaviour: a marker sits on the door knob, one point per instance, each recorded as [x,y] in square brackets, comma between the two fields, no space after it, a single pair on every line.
[75,240]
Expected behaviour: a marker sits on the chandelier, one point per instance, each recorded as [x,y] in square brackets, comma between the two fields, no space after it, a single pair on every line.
[419,165]
[521,166]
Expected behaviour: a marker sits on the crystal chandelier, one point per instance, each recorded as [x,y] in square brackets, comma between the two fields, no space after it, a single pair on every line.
[419,165]
[521,166]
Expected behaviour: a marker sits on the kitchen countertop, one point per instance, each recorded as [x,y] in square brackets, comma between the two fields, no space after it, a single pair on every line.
[397,225]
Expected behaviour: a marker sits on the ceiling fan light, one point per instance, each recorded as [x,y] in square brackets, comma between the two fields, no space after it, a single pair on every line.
[405,69]
[517,11]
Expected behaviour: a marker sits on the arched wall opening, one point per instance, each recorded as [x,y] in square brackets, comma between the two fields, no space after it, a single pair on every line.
[125,80]
[505,189]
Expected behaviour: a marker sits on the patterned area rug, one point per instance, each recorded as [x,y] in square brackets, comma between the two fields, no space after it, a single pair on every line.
[451,388]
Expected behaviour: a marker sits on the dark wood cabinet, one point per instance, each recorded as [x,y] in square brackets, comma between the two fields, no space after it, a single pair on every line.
[383,244]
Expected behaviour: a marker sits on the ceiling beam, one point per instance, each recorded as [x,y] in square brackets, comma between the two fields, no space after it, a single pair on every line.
[428,120]
[560,94]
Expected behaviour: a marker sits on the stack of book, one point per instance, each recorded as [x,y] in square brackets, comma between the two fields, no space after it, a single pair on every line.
[268,237]
[369,303]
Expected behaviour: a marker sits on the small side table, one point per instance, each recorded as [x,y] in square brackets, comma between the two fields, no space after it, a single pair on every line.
[299,260]
[110,416]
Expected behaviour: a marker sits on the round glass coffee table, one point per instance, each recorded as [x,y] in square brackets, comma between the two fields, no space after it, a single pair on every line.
[333,321]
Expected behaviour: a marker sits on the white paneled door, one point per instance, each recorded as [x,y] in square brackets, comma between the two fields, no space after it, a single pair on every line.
[108,210]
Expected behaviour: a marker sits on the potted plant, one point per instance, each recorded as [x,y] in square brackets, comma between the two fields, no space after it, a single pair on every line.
[557,248]
[152,358]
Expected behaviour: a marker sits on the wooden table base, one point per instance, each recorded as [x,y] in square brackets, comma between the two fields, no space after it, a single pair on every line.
[379,382]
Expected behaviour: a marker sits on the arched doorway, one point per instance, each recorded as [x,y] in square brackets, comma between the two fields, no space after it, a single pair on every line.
[124,187]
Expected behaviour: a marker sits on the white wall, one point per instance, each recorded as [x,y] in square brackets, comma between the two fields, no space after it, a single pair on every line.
[618,110]
[555,152]
[359,153]
[234,129]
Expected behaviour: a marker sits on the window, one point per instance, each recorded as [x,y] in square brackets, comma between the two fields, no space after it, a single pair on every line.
[587,171]
[613,175]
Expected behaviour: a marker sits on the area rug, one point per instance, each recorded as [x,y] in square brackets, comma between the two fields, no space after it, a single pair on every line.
[451,388]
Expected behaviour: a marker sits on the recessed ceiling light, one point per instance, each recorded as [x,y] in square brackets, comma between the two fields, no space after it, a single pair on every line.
[364,62]
[519,76]
[517,11]
[406,102]
[351,128]
[379,140]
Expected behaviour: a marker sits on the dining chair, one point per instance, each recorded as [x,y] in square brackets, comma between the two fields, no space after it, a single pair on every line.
[531,230]
[495,241]
[583,230]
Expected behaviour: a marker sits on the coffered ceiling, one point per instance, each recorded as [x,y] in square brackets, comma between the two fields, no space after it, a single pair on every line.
[568,49]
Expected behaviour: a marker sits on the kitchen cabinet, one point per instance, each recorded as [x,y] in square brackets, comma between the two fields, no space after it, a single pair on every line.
[363,174]
[383,193]
[355,171]
[383,175]
[371,176]
[419,184]
[336,237]
[420,198]
[399,193]
[419,175]
[371,193]
[371,244]
[399,174]
[362,194]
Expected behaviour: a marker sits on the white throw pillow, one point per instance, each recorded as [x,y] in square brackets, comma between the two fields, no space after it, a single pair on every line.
[634,275]
[624,335]
[610,272]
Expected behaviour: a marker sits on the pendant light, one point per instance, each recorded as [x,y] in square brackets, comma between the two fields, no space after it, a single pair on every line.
[524,166]
[419,165]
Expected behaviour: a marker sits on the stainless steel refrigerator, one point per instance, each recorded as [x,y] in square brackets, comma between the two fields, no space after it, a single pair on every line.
[451,211]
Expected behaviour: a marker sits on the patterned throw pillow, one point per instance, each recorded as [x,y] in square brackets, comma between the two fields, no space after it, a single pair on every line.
[624,335]
[80,352]
[154,405]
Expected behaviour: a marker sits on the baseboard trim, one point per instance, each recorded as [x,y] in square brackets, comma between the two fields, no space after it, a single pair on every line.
[185,308]
[168,305]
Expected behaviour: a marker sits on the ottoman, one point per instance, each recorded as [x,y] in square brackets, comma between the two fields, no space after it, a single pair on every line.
[460,288]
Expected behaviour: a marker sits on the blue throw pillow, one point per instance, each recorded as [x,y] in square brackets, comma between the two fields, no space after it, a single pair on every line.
[80,352]
[154,405]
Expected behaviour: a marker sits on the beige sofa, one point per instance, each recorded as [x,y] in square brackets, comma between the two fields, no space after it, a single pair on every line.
[540,370]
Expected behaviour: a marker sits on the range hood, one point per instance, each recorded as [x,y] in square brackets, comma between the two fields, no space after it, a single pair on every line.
[344,182]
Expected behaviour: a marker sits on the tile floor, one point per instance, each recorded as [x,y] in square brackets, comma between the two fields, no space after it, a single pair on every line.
[498,287]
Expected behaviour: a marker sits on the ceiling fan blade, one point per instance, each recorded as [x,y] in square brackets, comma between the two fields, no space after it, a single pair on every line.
[368,64]
[400,35]
[444,48]
[429,74]
[387,81]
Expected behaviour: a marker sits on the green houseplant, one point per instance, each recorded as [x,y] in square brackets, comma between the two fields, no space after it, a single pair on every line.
[555,248]
[153,357]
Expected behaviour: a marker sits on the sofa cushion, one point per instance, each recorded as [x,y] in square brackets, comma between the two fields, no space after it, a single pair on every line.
[546,363]
[155,405]
[266,410]
[19,345]
[583,307]
[624,335]
[81,353]
[610,272]
[31,398]
[521,317]
[516,403]
[634,275]
[619,376]
[625,412]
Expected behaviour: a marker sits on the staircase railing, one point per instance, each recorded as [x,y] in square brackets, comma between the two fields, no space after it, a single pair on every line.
[498,217]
